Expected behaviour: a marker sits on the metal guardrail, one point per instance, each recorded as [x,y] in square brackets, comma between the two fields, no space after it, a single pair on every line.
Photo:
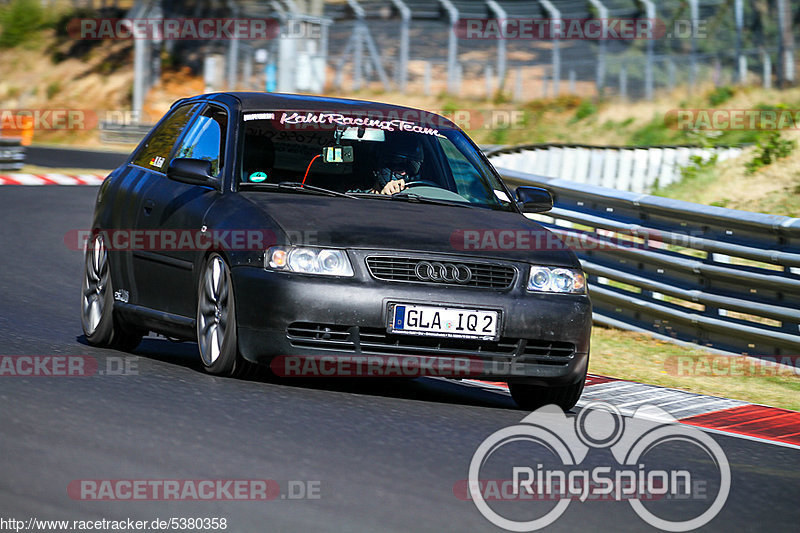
[628,168]
[720,278]
[114,133]
[12,153]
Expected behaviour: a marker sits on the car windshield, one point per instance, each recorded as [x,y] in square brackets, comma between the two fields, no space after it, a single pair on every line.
[360,156]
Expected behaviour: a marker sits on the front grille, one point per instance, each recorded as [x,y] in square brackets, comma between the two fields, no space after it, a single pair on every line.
[484,275]
[379,341]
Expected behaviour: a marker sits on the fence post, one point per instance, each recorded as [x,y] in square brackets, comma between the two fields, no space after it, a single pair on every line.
[739,20]
[767,73]
[518,85]
[401,76]
[500,13]
[452,46]
[695,16]
[555,36]
[623,82]
[785,45]
[671,74]
[650,8]
[600,73]
[427,79]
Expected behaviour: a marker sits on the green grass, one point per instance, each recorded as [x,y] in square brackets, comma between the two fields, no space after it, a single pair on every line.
[700,179]
[639,357]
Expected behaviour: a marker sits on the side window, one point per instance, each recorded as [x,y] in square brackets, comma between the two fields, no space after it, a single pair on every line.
[206,138]
[468,180]
[154,154]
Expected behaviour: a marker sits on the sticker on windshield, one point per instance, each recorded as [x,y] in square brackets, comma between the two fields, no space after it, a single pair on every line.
[502,196]
[157,162]
[344,120]
[259,116]
[258,177]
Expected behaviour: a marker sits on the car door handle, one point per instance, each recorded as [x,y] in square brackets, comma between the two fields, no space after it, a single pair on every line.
[148,206]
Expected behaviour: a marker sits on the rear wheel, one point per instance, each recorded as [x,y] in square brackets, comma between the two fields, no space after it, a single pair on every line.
[100,326]
[216,321]
[532,397]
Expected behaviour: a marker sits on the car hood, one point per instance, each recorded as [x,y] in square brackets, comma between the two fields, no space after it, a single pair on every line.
[398,225]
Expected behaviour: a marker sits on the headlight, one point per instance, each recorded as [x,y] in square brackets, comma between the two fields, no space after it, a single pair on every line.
[550,279]
[321,261]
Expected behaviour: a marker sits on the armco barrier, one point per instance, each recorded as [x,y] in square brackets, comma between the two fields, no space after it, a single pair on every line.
[636,168]
[12,154]
[721,278]
[111,132]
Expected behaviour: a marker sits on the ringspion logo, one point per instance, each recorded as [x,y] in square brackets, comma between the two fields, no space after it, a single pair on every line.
[543,459]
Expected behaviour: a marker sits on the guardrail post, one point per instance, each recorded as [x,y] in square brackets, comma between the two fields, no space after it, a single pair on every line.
[12,153]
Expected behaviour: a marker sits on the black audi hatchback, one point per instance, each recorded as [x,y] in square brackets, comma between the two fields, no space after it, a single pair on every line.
[334,237]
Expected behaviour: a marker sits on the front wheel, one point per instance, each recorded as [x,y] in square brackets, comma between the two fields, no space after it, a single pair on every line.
[532,397]
[216,321]
[100,327]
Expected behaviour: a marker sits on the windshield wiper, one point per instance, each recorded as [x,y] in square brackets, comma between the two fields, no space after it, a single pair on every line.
[414,198]
[296,186]
[411,197]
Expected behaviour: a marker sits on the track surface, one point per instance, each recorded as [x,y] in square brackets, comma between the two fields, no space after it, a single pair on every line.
[387,455]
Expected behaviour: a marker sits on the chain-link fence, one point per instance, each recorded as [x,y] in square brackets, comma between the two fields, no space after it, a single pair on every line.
[690,43]
[518,49]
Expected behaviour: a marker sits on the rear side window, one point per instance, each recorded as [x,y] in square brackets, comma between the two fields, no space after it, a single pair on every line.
[155,152]
[206,138]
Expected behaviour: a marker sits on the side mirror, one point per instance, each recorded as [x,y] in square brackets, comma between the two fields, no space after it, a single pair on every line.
[534,199]
[191,171]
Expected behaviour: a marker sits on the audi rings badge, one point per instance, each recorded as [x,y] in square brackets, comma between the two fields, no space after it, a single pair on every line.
[443,272]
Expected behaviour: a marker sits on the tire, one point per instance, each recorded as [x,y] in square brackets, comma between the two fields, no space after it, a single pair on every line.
[217,339]
[100,326]
[532,397]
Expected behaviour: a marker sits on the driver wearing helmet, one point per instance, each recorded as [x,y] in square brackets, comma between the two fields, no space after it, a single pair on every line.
[399,163]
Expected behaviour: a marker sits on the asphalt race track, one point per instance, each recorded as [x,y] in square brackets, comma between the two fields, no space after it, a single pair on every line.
[386,454]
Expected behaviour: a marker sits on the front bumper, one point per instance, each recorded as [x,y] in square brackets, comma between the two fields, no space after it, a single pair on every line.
[544,338]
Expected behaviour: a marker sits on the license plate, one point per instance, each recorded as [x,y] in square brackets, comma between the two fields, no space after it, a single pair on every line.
[428,320]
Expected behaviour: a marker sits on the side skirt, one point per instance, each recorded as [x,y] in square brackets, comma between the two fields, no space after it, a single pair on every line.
[158,321]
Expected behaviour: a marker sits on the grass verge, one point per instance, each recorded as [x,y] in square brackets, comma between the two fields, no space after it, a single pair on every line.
[638,357]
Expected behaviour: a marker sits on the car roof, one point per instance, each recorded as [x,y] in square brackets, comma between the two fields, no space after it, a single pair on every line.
[256,101]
